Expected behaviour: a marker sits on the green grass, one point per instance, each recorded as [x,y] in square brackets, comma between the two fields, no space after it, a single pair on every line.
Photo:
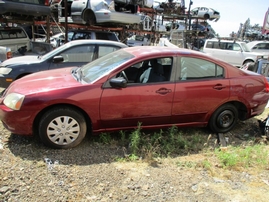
[172,142]
[249,156]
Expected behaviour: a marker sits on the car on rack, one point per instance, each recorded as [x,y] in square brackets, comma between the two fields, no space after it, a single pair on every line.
[93,12]
[144,86]
[139,40]
[205,13]
[73,53]
[78,34]
[259,46]
[29,9]
[234,52]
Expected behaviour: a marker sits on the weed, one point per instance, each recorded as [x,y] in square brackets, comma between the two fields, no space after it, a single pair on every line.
[248,156]
[135,140]
[186,164]
[105,138]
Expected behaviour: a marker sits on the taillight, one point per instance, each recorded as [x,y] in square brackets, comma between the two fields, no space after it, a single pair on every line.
[47,2]
[266,85]
[9,53]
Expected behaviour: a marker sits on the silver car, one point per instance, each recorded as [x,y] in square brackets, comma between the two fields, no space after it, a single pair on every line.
[93,12]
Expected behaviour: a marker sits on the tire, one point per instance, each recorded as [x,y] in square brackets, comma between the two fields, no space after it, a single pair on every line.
[223,119]
[62,128]
[89,18]
[248,61]
[206,16]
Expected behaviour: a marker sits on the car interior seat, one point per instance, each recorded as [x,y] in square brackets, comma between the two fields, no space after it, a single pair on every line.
[155,73]
[230,47]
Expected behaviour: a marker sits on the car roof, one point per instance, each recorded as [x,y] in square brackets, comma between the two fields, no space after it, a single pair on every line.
[97,41]
[161,51]
[253,43]
[220,40]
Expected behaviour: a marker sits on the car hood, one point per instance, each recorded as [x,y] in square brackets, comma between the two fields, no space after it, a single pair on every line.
[44,81]
[29,59]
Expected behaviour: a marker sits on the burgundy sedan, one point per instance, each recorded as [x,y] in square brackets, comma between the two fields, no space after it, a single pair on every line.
[155,86]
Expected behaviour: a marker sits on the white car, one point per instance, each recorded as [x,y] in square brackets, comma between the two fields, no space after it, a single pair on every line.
[234,52]
[137,40]
[93,12]
[259,46]
[205,13]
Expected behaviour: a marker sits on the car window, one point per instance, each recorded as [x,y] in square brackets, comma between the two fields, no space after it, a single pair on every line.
[261,46]
[106,36]
[265,69]
[104,65]
[79,35]
[82,53]
[193,68]
[12,34]
[104,50]
[149,71]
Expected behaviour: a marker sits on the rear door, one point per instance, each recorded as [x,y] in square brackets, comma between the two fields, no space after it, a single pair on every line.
[200,89]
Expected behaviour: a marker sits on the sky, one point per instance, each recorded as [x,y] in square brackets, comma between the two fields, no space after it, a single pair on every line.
[233,12]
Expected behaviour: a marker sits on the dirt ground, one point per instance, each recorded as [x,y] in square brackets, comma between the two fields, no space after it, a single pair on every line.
[29,171]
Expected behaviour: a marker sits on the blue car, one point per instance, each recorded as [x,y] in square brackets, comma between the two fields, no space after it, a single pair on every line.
[260,66]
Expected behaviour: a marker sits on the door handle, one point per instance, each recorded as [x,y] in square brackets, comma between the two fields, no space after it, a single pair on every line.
[163,91]
[219,87]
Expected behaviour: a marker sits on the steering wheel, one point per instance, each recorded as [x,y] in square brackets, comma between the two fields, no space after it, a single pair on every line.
[124,75]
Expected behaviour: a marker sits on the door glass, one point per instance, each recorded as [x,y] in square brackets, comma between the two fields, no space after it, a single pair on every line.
[79,54]
[192,68]
[104,50]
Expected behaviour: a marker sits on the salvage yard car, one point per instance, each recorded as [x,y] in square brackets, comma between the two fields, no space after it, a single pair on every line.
[21,8]
[234,52]
[74,53]
[260,66]
[206,13]
[93,12]
[155,86]
[259,46]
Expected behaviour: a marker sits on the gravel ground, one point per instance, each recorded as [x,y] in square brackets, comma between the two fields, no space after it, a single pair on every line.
[29,171]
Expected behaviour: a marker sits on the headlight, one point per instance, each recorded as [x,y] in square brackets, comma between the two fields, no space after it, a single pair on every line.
[14,101]
[4,70]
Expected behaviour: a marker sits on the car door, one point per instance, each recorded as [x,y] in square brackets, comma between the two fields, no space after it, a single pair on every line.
[234,54]
[148,103]
[75,56]
[200,89]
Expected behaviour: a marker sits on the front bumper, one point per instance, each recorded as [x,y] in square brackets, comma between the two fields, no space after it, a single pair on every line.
[17,122]
[5,80]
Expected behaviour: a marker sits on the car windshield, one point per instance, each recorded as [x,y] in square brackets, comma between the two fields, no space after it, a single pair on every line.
[245,47]
[104,65]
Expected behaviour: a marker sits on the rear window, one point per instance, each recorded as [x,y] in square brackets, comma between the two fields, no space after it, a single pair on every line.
[106,36]
[12,34]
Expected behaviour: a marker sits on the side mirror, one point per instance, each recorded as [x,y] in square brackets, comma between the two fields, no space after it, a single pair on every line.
[119,82]
[58,59]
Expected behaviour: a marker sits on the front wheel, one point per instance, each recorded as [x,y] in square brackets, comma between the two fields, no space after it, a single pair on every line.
[62,128]
[247,62]
[223,119]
